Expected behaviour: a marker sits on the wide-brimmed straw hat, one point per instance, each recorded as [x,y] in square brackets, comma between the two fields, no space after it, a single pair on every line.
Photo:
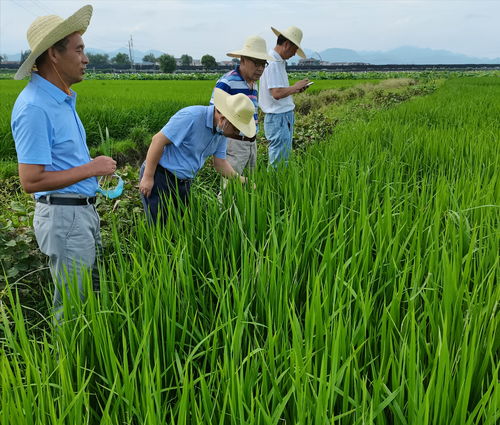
[254,47]
[45,31]
[293,34]
[238,109]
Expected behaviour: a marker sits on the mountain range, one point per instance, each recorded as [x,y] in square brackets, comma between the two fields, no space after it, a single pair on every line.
[404,55]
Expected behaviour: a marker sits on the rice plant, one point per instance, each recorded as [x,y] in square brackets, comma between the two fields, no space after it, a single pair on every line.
[356,286]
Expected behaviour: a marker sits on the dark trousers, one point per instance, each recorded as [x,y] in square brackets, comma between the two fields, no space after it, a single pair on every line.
[166,186]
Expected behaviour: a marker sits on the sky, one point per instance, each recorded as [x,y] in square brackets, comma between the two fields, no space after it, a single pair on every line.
[215,27]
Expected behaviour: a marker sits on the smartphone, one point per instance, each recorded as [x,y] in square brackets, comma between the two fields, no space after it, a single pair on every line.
[309,83]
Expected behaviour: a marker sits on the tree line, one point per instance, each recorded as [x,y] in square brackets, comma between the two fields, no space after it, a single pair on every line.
[166,63]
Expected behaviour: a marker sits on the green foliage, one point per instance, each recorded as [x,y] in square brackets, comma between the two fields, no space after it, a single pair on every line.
[98,59]
[167,63]
[150,57]
[208,62]
[186,60]
[357,285]
[19,256]
[8,169]
[24,55]
[121,59]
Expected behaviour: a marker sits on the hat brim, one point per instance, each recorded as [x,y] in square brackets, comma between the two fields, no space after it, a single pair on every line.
[220,101]
[250,54]
[300,52]
[78,22]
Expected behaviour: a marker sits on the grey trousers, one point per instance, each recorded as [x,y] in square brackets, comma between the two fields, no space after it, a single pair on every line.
[70,236]
[241,154]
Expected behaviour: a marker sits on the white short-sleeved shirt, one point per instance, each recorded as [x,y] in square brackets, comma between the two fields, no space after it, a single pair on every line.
[274,76]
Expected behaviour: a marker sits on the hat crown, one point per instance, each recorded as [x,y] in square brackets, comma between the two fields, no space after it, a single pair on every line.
[242,106]
[255,44]
[293,33]
[40,27]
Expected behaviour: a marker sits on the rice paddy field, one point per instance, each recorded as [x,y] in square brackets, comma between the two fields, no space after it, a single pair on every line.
[358,285]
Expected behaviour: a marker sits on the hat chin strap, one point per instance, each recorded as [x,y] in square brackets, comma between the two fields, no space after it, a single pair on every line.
[65,87]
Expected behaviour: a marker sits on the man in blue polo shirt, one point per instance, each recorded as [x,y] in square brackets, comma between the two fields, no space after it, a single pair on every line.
[54,161]
[241,150]
[180,149]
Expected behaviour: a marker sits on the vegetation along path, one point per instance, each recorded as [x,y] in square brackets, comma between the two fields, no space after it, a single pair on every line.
[358,285]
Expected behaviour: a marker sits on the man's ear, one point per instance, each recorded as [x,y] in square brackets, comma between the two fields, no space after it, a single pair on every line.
[52,55]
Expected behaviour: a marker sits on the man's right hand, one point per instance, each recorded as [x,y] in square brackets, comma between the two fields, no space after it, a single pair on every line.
[102,166]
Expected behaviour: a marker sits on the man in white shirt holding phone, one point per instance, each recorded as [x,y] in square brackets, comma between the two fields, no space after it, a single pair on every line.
[275,95]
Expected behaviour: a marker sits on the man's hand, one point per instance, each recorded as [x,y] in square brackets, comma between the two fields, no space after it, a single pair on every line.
[301,85]
[102,166]
[146,185]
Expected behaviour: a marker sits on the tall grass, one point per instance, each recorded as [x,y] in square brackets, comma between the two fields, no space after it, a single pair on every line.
[358,285]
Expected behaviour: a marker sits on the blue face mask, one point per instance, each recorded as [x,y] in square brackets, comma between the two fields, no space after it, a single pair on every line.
[220,130]
[112,193]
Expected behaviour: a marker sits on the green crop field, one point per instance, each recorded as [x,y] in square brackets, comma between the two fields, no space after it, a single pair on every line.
[359,285]
[122,105]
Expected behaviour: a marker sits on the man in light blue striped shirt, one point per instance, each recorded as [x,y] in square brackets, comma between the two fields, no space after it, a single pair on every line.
[242,151]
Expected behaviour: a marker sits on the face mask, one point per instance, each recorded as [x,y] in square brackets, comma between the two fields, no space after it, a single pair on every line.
[220,130]
[112,193]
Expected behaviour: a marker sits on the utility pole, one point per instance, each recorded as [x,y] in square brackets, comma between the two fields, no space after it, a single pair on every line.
[130,49]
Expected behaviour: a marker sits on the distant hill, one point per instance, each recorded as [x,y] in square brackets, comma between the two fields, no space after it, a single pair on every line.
[404,55]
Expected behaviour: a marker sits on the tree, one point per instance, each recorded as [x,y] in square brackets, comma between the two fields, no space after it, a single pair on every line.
[235,61]
[186,60]
[209,62]
[24,55]
[150,58]
[2,58]
[167,63]
[121,59]
[98,59]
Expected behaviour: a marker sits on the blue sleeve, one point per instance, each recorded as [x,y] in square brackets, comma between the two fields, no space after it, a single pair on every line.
[32,134]
[178,127]
[220,151]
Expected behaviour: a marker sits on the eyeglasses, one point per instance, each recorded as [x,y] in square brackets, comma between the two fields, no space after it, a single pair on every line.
[258,63]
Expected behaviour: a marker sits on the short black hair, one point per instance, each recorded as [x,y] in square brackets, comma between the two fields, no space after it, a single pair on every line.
[60,46]
[281,40]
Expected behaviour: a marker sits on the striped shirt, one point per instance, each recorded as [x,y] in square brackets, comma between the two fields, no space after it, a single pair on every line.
[233,83]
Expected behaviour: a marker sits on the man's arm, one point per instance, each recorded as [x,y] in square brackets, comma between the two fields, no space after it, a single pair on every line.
[282,92]
[224,168]
[34,177]
[155,151]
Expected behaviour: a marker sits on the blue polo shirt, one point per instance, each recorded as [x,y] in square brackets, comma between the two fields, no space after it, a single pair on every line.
[47,131]
[193,140]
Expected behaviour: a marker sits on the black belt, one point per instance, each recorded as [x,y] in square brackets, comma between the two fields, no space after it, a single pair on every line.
[61,200]
[243,138]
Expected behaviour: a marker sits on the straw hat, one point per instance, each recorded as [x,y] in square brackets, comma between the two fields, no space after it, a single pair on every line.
[254,47]
[238,109]
[293,34]
[45,31]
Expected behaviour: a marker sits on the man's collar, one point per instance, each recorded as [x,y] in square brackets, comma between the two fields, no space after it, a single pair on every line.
[50,88]
[210,117]
[277,56]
